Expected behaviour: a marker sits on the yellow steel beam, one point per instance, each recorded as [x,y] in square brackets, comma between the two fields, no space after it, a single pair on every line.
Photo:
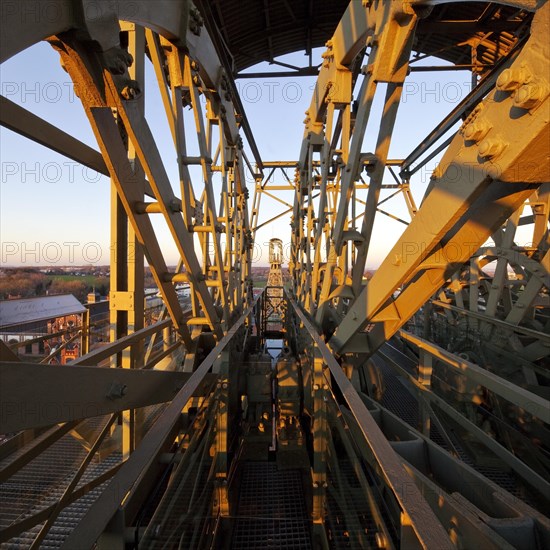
[35,395]
[427,529]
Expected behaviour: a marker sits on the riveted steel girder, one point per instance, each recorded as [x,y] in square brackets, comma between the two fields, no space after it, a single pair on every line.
[472,196]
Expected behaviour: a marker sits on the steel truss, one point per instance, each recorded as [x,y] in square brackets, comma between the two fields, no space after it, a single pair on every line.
[493,169]
[469,333]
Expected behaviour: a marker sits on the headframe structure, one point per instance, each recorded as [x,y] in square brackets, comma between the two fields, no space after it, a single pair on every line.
[412,408]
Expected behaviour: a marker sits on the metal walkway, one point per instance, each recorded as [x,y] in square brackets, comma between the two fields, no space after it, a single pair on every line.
[272,511]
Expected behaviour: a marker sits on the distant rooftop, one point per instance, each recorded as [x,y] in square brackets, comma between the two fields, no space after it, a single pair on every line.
[28,310]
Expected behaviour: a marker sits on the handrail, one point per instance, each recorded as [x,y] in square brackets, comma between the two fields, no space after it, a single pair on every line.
[427,528]
[98,355]
[104,508]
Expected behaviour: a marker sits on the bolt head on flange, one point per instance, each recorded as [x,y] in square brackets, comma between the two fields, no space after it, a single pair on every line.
[491,148]
[476,130]
[511,79]
[131,91]
[529,96]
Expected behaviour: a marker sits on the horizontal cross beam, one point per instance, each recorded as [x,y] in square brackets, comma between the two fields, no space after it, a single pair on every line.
[35,395]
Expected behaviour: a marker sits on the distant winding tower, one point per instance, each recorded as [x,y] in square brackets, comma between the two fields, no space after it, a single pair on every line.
[275,277]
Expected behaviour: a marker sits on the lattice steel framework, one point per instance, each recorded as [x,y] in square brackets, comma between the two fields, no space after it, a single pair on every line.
[476,343]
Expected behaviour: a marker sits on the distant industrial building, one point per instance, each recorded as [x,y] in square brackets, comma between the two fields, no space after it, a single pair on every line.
[26,325]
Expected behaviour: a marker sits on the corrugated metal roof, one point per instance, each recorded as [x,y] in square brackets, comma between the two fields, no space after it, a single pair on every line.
[251,31]
[16,312]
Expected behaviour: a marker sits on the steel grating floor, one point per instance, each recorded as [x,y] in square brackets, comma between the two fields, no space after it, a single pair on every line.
[272,511]
[349,522]
[399,401]
[179,520]
[41,482]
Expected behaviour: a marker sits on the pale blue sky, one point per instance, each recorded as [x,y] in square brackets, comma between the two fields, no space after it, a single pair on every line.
[56,212]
